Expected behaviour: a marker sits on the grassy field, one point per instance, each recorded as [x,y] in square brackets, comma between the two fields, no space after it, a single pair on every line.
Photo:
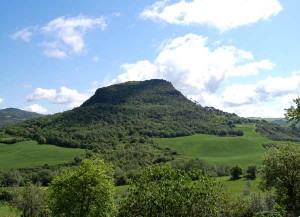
[236,189]
[242,150]
[30,154]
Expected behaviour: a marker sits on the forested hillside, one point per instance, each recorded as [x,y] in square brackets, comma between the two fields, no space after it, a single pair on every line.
[12,115]
[278,132]
[126,112]
[119,121]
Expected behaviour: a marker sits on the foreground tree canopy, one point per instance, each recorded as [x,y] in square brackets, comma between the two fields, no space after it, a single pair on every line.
[281,170]
[163,191]
[293,113]
[84,191]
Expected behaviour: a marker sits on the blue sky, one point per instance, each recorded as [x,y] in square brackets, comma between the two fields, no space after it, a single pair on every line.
[240,56]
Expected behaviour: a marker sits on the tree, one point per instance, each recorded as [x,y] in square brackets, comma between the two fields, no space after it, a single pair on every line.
[236,172]
[281,170]
[31,200]
[86,190]
[293,113]
[162,191]
[251,171]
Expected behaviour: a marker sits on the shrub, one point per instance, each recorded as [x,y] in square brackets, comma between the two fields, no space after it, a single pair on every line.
[236,172]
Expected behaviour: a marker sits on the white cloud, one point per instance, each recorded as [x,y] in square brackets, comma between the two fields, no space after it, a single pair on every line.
[55,53]
[53,50]
[206,74]
[267,97]
[70,97]
[64,96]
[40,93]
[239,94]
[265,90]
[23,34]
[35,108]
[223,15]
[95,59]
[63,36]
[68,34]
[1,100]
[193,67]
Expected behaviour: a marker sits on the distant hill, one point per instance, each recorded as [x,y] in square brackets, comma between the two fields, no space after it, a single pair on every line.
[12,115]
[279,121]
[277,129]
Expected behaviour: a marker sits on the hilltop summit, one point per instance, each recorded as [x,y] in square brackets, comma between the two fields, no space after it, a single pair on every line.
[155,91]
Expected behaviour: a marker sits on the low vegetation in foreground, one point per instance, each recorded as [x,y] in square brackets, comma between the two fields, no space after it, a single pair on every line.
[161,190]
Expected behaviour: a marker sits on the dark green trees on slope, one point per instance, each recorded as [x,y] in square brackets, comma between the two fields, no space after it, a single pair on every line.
[129,112]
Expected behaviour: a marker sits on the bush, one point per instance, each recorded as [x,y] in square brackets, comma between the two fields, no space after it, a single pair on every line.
[31,200]
[251,172]
[236,172]
[162,191]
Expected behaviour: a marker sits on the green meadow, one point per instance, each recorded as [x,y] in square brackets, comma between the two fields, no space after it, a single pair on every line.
[236,189]
[31,154]
[243,150]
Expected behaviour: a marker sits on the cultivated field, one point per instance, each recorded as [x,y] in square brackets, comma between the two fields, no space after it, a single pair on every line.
[230,151]
[30,154]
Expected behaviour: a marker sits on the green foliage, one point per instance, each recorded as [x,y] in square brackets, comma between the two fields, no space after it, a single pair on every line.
[281,170]
[257,205]
[236,172]
[162,191]
[276,211]
[5,195]
[10,178]
[12,140]
[8,211]
[86,190]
